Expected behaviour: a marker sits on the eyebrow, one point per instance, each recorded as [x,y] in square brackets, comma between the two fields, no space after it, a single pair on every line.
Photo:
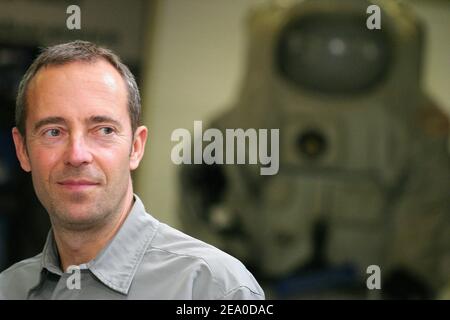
[60,120]
[48,120]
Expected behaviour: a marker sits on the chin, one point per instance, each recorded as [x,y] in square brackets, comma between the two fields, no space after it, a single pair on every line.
[80,216]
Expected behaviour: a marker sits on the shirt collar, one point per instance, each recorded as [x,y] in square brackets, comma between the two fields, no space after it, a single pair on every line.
[50,257]
[116,265]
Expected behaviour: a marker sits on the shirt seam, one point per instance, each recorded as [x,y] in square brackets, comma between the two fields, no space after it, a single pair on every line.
[240,287]
[214,279]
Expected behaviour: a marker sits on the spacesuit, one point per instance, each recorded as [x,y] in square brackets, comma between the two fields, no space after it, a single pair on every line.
[364,164]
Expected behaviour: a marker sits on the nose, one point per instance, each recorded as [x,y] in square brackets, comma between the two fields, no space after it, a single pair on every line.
[78,152]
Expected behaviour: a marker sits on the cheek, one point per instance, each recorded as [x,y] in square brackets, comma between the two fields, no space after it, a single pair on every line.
[42,162]
[114,162]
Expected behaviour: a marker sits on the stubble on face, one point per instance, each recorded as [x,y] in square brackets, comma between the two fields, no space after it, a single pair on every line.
[83,210]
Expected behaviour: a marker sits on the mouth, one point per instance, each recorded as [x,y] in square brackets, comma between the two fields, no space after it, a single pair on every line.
[77,185]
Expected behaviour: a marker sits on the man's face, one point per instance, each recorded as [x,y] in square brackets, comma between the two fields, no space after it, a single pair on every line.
[79,145]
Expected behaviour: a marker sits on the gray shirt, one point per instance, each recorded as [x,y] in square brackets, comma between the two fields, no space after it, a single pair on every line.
[146,259]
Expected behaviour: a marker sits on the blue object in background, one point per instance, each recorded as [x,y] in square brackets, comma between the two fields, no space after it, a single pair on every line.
[323,280]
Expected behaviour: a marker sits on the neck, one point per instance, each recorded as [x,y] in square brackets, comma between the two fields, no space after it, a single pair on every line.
[78,247]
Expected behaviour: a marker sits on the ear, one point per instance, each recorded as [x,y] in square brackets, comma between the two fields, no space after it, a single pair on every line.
[21,150]
[138,147]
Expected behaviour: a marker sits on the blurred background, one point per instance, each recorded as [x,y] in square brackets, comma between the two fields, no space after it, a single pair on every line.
[363,115]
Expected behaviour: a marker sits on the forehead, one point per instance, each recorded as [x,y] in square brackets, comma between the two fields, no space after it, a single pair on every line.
[77,89]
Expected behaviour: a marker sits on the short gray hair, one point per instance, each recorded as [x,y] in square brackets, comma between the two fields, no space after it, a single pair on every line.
[77,51]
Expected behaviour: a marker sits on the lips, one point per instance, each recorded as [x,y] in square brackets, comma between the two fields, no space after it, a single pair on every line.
[77,185]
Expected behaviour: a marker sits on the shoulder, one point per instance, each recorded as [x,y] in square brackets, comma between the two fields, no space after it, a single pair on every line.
[17,280]
[212,273]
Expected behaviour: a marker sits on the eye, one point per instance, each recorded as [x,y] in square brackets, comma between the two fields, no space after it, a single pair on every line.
[52,133]
[106,131]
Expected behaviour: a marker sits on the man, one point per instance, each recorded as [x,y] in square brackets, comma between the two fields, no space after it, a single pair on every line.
[78,133]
